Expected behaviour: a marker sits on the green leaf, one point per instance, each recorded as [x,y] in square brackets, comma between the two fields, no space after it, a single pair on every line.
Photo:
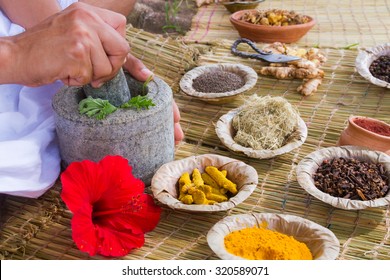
[138,102]
[145,84]
[96,107]
[351,46]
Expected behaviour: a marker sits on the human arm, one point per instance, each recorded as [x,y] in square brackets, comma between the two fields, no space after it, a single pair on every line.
[120,6]
[79,45]
[28,13]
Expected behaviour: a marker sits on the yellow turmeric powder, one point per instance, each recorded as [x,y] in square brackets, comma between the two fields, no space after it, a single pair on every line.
[259,243]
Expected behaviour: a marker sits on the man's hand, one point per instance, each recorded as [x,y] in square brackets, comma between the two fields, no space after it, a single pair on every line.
[82,44]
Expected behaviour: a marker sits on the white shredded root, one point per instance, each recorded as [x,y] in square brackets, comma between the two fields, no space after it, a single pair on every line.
[265,123]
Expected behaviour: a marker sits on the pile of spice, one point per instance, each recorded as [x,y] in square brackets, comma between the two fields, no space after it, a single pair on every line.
[266,123]
[351,178]
[380,68]
[259,243]
[209,187]
[274,17]
[378,128]
[218,81]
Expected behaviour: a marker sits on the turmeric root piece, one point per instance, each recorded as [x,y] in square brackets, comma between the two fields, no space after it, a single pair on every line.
[184,184]
[309,86]
[200,198]
[197,178]
[185,179]
[218,197]
[215,188]
[221,180]
[187,199]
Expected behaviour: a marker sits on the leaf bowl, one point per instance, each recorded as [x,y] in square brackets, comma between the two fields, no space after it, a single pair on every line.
[247,73]
[310,164]
[165,181]
[234,6]
[322,242]
[365,58]
[225,132]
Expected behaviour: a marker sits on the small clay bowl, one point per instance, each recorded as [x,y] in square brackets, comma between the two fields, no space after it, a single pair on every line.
[165,189]
[309,165]
[247,73]
[270,34]
[235,6]
[356,135]
[323,244]
[364,59]
[225,132]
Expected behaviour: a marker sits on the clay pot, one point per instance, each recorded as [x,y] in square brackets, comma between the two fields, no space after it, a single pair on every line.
[357,136]
[269,34]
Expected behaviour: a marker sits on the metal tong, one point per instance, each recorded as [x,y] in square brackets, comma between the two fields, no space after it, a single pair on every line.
[266,56]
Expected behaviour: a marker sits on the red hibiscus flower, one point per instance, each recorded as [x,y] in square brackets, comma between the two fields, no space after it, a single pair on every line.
[110,210]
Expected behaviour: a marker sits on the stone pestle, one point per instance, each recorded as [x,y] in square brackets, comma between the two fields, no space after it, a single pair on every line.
[116,91]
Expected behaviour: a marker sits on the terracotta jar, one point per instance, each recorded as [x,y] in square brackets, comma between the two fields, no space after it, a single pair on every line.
[356,135]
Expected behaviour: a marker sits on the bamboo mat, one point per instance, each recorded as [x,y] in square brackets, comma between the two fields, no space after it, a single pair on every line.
[40,228]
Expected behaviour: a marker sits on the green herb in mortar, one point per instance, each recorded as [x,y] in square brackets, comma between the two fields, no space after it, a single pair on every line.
[96,107]
[100,108]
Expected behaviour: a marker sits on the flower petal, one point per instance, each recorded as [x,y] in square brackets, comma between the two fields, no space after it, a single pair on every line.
[117,243]
[141,221]
[81,184]
[83,231]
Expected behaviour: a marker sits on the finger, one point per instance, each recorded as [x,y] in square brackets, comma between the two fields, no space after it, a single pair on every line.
[178,132]
[136,68]
[115,20]
[176,112]
[108,55]
[80,71]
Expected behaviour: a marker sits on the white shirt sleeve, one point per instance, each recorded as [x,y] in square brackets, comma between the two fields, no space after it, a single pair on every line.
[29,153]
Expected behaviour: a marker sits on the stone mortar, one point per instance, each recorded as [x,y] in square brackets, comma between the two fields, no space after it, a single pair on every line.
[145,137]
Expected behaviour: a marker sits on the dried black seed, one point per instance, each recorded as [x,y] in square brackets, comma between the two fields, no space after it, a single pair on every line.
[218,81]
[380,68]
[362,180]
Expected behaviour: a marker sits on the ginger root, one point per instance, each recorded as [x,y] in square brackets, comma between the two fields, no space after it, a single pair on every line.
[307,68]
[292,72]
[309,86]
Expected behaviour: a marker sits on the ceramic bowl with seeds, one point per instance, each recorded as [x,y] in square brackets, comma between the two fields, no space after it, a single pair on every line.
[365,61]
[322,243]
[166,180]
[346,177]
[218,83]
[226,132]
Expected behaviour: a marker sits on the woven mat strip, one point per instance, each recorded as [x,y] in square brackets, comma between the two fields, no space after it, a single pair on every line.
[40,229]
[339,23]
